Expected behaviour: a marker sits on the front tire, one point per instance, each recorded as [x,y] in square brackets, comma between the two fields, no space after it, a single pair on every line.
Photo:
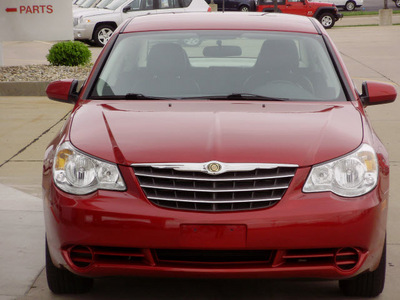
[102,34]
[350,6]
[397,3]
[368,284]
[61,281]
[327,20]
[246,8]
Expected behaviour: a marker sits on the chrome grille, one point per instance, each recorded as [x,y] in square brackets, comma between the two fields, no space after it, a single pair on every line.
[184,188]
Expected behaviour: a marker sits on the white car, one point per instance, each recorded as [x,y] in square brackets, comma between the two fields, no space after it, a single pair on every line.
[89,5]
[78,2]
[86,4]
[99,24]
[348,5]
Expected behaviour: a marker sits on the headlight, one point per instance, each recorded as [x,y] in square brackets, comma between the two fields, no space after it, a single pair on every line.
[349,176]
[77,173]
[81,19]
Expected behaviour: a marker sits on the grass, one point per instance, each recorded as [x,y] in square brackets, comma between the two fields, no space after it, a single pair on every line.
[364,13]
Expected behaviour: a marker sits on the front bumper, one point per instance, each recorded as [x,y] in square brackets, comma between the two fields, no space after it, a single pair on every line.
[83,31]
[305,235]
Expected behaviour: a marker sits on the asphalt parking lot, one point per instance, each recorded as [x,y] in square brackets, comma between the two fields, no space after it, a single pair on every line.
[27,124]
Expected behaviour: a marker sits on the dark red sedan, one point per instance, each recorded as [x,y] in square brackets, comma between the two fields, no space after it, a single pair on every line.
[217,145]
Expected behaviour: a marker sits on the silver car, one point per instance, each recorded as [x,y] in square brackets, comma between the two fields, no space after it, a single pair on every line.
[98,25]
[348,5]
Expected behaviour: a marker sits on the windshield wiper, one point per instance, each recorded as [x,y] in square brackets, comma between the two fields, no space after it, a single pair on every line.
[238,96]
[129,96]
[133,96]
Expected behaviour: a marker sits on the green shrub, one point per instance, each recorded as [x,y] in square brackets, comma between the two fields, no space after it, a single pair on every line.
[69,54]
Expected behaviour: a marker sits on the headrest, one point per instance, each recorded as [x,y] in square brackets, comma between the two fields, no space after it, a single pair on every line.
[278,54]
[167,58]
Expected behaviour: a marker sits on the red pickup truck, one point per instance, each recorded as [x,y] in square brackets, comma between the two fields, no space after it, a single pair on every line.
[326,13]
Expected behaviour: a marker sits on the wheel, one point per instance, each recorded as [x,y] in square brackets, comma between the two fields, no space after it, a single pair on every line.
[102,34]
[369,284]
[61,281]
[350,5]
[397,3]
[327,20]
[246,8]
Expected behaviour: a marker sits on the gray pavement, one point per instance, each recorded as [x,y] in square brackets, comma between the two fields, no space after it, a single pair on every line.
[27,124]
[22,249]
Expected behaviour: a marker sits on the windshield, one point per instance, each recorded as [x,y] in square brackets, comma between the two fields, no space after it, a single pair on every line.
[103,3]
[115,4]
[218,65]
[88,3]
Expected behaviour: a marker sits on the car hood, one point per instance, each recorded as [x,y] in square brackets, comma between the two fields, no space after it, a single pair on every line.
[91,12]
[299,133]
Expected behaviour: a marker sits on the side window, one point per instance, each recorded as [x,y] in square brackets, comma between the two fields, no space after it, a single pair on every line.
[173,3]
[271,2]
[148,4]
[181,3]
[134,5]
[185,3]
[165,4]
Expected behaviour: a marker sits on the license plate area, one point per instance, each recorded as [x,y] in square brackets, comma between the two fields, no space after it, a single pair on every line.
[213,236]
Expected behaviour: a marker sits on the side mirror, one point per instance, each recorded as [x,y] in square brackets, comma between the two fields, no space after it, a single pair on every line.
[126,9]
[63,90]
[374,93]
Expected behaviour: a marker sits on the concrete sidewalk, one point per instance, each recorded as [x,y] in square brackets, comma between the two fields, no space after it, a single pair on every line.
[27,124]
[21,241]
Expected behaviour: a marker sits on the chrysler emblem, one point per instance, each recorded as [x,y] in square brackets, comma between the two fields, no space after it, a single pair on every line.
[214,167]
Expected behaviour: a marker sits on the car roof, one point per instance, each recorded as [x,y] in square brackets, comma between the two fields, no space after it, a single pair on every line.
[222,21]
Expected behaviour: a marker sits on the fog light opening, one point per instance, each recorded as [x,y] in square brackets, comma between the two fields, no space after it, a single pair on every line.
[346,259]
[81,256]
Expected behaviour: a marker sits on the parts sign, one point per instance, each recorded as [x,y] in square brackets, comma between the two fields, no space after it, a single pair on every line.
[36,9]
[27,20]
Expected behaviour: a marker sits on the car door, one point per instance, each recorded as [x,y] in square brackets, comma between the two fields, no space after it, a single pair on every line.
[296,7]
[268,5]
[230,4]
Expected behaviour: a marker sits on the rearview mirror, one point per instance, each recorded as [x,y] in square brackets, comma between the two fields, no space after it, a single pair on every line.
[63,90]
[374,93]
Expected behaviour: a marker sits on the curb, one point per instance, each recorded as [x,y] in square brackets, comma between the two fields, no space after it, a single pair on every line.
[23,88]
